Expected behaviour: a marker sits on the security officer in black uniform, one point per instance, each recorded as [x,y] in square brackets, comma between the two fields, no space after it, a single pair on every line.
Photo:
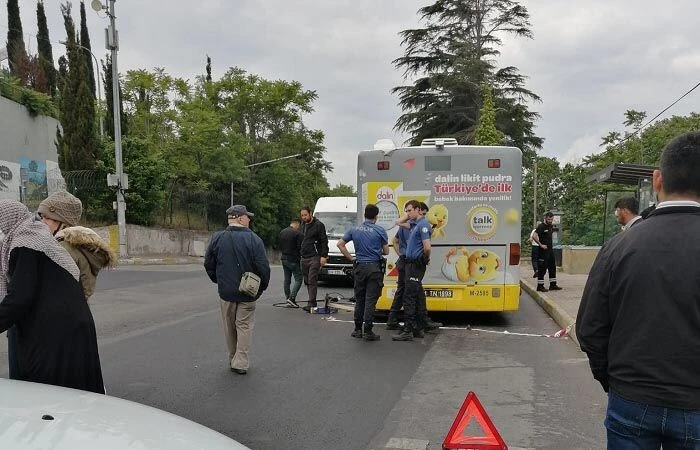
[546,262]
[371,242]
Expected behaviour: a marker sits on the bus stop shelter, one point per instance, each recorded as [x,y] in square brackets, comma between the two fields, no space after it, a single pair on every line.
[637,177]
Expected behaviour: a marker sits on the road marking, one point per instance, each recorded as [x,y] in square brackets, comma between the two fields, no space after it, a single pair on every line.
[407,444]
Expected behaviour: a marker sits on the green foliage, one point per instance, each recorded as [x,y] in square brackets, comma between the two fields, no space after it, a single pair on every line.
[342,190]
[86,49]
[35,102]
[45,50]
[486,131]
[450,59]
[16,51]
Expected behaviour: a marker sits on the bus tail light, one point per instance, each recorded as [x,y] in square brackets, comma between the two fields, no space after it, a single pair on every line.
[382,165]
[514,254]
[494,163]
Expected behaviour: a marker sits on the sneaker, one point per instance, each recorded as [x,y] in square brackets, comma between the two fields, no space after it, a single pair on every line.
[239,371]
[308,307]
[370,336]
[430,325]
[554,287]
[541,288]
[292,303]
[418,334]
[356,334]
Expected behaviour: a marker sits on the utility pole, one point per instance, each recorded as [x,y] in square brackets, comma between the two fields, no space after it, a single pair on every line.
[534,196]
[119,179]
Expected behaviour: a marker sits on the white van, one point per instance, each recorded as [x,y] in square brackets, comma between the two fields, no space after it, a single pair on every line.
[338,214]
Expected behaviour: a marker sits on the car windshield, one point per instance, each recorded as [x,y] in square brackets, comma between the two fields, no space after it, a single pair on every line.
[337,223]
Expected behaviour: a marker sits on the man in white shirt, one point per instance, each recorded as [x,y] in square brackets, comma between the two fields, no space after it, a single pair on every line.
[627,212]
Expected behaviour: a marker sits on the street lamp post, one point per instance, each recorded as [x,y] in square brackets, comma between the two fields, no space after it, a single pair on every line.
[120,179]
[99,83]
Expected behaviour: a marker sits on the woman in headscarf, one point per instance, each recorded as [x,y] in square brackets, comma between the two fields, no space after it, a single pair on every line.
[61,212]
[55,339]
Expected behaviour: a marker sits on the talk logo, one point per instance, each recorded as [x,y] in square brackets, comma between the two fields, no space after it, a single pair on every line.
[482,221]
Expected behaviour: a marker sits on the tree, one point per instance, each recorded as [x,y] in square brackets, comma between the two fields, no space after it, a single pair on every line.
[208,68]
[342,190]
[486,131]
[16,51]
[77,145]
[86,49]
[451,58]
[45,50]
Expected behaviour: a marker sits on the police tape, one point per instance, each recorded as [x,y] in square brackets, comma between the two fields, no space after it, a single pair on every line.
[564,332]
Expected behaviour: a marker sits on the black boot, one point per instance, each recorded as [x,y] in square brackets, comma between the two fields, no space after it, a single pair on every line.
[554,287]
[358,330]
[406,333]
[541,288]
[368,334]
[392,323]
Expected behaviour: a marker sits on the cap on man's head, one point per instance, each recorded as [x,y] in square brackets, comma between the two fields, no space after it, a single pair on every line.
[239,210]
[63,207]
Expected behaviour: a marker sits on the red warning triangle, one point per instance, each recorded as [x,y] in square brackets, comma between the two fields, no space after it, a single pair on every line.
[458,439]
[394,272]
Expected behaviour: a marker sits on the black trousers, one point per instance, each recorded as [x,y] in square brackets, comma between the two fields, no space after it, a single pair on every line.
[369,281]
[546,263]
[414,295]
[397,303]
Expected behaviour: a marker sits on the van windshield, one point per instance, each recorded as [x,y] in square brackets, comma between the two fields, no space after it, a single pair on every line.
[337,223]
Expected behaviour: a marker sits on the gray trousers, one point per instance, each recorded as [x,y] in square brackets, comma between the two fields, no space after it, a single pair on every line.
[310,268]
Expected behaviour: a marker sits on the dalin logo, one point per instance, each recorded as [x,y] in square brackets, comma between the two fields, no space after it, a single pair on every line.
[385,193]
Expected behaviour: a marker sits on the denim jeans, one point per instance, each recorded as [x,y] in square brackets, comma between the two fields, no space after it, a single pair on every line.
[638,426]
[291,268]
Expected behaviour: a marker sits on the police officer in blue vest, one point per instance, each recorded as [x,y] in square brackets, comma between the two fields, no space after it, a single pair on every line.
[417,259]
[371,242]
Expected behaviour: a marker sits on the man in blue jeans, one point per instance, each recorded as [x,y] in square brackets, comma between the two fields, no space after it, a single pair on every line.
[290,247]
[639,318]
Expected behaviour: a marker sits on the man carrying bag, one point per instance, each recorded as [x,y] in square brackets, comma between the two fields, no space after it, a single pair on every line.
[236,261]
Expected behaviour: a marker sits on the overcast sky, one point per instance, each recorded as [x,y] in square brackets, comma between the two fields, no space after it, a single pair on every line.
[589,60]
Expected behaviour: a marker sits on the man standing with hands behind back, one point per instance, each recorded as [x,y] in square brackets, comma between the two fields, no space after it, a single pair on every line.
[314,253]
[371,242]
[290,246]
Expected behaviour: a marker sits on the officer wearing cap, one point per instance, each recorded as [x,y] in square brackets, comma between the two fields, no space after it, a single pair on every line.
[230,254]
[371,242]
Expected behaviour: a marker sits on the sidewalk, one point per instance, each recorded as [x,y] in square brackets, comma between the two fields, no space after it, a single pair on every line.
[562,305]
[160,260]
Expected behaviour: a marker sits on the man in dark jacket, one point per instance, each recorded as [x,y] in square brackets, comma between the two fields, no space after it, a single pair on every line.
[639,318]
[290,247]
[231,253]
[314,253]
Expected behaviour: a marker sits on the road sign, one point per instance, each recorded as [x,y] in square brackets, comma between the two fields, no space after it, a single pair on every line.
[460,438]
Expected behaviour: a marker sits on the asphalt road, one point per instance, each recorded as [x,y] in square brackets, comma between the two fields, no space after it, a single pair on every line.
[311,386]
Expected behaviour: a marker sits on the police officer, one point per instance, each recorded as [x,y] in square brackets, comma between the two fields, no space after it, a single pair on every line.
[546,262]
[417,259]
[399,242]
[371,242]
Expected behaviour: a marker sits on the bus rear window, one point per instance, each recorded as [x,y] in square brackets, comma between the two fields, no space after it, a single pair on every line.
[434,163]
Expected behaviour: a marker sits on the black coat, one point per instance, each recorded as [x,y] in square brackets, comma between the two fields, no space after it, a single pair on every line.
[639,317]
[56,341]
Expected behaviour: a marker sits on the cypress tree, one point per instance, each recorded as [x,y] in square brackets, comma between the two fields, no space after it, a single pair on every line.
[208,78]
[109,101]
[45,50]
[486,131]
[79,141]
[16,51]
[87,50]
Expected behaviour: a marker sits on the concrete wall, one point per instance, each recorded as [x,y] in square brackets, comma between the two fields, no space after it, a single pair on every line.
[143,241]
[578,260]
[28,156]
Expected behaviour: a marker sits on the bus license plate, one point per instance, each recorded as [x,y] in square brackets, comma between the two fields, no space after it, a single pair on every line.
[335,272]
[439,293]
[479,292]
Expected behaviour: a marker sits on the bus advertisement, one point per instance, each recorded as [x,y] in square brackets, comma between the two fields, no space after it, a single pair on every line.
[474,199]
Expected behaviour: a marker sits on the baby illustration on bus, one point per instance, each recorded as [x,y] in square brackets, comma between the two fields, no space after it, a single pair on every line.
[462,266]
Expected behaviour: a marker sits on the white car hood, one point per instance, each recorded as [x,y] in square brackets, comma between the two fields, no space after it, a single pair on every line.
[84,420]
[333,246]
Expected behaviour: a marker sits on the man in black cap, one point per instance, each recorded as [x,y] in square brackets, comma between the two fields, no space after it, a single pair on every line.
[232,253]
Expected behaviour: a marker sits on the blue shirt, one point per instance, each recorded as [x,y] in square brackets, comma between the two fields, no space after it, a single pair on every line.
[369,238]
[402,235]
[421,231]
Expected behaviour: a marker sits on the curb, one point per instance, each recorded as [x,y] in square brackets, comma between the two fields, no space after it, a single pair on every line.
[556,312]
[159,261]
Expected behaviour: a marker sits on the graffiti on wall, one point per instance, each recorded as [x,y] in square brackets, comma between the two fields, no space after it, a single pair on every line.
[9,180]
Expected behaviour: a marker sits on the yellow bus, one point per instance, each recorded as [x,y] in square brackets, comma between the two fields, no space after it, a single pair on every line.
[474,196]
